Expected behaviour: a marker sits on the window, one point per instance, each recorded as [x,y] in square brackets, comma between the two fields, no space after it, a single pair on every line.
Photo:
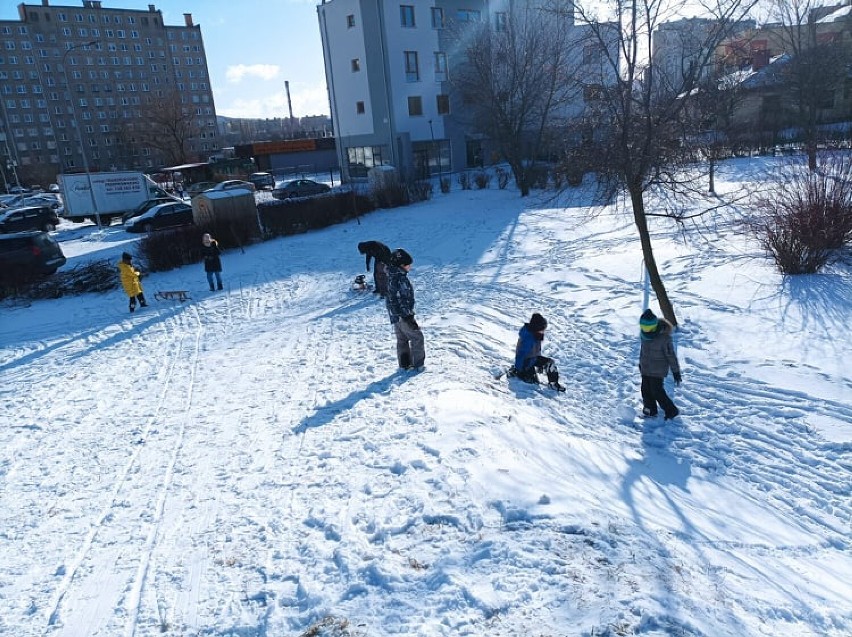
[356,65]
[350,21]
[437,18]
[501,21]
[406,15]
[415,105]
[440,66]
[412,70]
[443,104]
[592,53]
[467,15]
[359,108]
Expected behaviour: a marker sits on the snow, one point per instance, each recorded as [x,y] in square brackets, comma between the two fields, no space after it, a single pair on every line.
[251,462]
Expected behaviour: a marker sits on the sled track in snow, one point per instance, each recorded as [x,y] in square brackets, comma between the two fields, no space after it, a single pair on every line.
[87,550]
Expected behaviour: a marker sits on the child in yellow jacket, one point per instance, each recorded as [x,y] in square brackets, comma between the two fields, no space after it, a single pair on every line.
[130,282]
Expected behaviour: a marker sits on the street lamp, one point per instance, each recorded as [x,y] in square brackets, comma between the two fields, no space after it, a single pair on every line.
[77,128]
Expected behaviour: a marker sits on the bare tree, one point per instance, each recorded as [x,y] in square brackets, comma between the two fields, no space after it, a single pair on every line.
[646,119]
[166,125]
[518,82]
[817,66]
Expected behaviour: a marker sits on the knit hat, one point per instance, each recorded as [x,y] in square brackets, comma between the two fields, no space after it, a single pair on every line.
[400,258]
[537,323]
[648,322]
[125,256]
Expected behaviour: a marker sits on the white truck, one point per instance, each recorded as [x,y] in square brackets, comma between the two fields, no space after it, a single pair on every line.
[111,194]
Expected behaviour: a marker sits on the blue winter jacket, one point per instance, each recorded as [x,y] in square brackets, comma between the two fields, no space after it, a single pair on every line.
[528,349]
[400,296]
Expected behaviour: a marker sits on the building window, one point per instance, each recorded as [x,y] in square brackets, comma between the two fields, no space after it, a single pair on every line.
[415,105]
[468,15]
[406,15]
[443,104]
[350,21]
[440,66]
[412,69]
[437,18]
[356,65]
[592,54]
[359,108]
[501,21]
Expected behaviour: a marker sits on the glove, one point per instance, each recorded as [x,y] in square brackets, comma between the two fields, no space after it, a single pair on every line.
[677,378]
[411,322]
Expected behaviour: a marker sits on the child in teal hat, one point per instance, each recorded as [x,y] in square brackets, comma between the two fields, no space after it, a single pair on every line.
[656,358]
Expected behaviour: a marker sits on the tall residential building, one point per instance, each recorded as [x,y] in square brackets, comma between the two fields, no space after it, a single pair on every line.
[107,78]
[389,65]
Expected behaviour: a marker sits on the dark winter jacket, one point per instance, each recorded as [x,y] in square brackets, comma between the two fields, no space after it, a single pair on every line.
[400,296]
[528,349]
[212,262]
[375,250]
[657,354]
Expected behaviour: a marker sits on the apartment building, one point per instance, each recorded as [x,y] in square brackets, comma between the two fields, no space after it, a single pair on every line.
[389,66]
[88,78]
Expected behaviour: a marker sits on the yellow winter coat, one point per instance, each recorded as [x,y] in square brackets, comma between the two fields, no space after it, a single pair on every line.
[129,279]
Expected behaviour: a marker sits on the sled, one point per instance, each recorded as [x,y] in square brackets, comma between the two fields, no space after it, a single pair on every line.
[172,295]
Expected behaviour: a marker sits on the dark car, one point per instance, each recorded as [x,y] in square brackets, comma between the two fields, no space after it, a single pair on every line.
[299,188]
[29,253]
[166,215]
[145,206]
[199,187]
[29,218]
[262,180]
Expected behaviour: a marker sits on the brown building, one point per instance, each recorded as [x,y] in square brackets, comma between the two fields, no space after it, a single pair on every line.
[104,82]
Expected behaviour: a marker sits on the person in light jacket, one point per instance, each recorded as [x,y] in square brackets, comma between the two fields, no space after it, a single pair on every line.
[212,262]
[528,359]
[656,358]
[410,348]
[130,281]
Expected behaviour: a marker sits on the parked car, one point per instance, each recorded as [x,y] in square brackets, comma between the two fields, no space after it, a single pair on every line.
[166,215]
[53,187]
[29,218]
[234,184]
[199,187]
[262,180]
[26,253]
[18,190]
[145,206]
[299,188]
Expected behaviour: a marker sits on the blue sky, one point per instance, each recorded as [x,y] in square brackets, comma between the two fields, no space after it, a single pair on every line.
[253,47]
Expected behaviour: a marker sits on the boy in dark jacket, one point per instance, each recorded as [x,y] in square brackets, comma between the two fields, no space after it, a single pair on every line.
[382,255]
[656,357]
[410,350]
[528,359]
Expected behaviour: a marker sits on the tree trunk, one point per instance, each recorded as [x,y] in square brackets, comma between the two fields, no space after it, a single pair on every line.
[638,203]
[712,171]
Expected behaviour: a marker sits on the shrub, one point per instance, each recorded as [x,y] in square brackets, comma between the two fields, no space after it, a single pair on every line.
[445,185]
[293,216]
[464,180]
[170,249]
[805,217]
[391,195]
[481,179]
[420,190]
[502,178]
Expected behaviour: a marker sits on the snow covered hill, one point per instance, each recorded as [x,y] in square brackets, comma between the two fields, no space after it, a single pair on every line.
[252,464]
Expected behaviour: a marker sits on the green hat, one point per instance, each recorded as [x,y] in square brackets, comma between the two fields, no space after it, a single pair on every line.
[648,321]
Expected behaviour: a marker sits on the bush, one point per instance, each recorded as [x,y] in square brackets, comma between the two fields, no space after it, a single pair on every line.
[294,216]
[481,179]
[97,276]
[805,218]
[391,195]
[464,180]
[502,178]
[419,191]
[445,185]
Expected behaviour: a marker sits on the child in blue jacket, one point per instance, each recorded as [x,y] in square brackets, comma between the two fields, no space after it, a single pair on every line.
[528,359]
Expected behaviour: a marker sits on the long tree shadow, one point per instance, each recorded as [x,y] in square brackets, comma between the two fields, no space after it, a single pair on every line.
[328,412]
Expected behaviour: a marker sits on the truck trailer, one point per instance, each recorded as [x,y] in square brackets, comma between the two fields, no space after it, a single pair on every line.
[111,194]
